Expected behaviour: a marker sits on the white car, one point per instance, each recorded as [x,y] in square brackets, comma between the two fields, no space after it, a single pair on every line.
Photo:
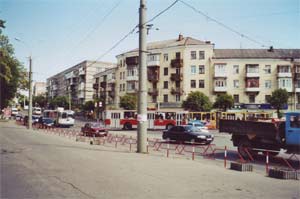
[37,111]
[14,111]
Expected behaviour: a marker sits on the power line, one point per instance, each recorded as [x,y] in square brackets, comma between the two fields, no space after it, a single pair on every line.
[223,25]
[131,32]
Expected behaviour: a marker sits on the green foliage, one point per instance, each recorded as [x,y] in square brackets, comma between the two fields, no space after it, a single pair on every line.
[278,99]
[223,102]
[12,72]
[197,101]
[39,101]
[128,102]
[59,101]
[89,106]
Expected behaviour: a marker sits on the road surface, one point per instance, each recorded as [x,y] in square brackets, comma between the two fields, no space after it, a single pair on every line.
[38,165]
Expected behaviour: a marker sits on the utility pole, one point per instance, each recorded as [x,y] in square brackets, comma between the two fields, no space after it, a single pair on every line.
[142,99]
[30,95]
[70,100]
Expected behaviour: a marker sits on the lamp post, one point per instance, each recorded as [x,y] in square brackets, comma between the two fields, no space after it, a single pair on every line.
[30,87]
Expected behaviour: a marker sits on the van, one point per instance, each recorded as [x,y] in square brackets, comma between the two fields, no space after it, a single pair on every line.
[37,111]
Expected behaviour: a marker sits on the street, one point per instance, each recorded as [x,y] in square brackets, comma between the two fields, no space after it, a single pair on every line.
[36,165]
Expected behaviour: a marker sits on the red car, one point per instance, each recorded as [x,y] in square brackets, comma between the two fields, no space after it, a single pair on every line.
[94,130]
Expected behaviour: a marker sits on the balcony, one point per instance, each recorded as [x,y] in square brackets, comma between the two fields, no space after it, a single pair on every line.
[153,91]
[96,86]
[81,94]
[176,63]
[176,77]
[153,63]
[288,89]
[132,90]
[177,91]
[132,78]
[297,90]
[252,89]
[220,89]
[81,86]
[284,74]
[221,74]
[252,70]
[153,77]
[111,94]
[103,84]
[298,106]
[170,105]
[132,60]
[296,76]
[54,87]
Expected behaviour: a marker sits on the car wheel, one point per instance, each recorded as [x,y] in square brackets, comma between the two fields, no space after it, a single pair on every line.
[127,126]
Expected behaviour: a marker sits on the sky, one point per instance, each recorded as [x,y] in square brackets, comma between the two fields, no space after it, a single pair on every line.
[59,34]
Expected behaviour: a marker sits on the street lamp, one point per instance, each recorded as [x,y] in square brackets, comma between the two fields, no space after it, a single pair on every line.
[30,86]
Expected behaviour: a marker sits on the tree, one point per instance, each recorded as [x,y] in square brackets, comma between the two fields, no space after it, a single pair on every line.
[197,101]
[12,73]
[223,102]
[59,101]
[278,99]
[89,106]
[128,102]
[39,100]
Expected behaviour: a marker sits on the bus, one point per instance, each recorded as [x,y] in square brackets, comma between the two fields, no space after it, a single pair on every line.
[127,119]
[62,118]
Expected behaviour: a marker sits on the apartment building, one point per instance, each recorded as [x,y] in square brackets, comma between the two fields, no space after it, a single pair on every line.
[104,87]
[39,88]
[171,71]
[76,81]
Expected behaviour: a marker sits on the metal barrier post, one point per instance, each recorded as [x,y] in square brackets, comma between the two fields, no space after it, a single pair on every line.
[147,145]
[168,147]
[193,151]
[225,156]
[130,140]
[116,144]
[267,162]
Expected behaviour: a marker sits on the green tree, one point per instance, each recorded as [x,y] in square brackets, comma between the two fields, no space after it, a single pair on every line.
[59,101]
[12,73]
[223,102]
[128,102]
[278,99]
[89,106]
[40,101]
[197,101]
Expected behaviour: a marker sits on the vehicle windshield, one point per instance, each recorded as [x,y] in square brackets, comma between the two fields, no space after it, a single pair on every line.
[96,125]
[191,129]
[64,115]
[48,120]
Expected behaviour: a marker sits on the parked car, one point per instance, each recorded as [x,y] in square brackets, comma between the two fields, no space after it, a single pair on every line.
[14,111]
[94,129]
[199,125]
[48,122]
[35,119]
[37,111]
[187,133]
[19,117]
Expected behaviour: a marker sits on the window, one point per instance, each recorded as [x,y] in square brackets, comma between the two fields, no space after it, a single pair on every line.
[251,98]
[193,55]
[166,84]
[201,69]
[193,83]
[193,70]
[236,83]
[124,87]
[166,71]
[297,68]
[268,84]
[166,58]
[201,55]
[252,68]
[284,68]
[201,83]
[120,75]
[220,69]
[267,98]
[177,55]
[236,69]
[267,69]
[236,98]
[285,83]
[165,98]
[177,98]
[120,87]
[220,83]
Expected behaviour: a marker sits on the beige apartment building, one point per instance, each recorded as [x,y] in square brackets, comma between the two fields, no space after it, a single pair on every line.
[178,66]
[77,81]
[39,88]
[104,87]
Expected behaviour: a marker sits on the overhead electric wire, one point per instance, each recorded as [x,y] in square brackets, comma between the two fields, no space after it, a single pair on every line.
[222,24]
[132,31]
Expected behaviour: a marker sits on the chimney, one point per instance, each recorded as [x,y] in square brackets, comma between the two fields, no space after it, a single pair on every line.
[207,42]
[271,49]
[180,37]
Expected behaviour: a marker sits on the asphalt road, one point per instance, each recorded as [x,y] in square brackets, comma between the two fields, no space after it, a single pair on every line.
[38,165]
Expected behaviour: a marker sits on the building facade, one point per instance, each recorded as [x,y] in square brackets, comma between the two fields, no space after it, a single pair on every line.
[39,88]
[76,82]
[179,66]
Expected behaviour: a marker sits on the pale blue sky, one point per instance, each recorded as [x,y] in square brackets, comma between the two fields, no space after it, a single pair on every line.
[62,33]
